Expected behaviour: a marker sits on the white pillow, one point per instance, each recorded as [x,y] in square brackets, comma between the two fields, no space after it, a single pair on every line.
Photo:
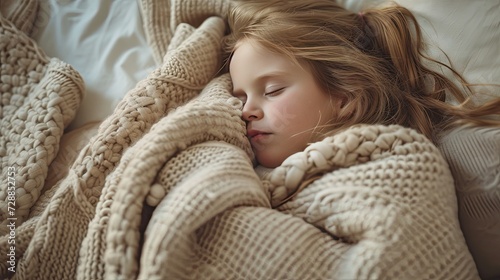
[467,31]
[103,40]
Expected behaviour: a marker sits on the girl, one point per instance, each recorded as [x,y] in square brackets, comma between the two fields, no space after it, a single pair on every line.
[306,70]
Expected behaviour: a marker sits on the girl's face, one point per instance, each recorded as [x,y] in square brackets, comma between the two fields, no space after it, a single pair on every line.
[284,107]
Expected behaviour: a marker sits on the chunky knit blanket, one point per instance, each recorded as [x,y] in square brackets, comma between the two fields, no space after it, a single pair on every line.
[166,188]
[39,98]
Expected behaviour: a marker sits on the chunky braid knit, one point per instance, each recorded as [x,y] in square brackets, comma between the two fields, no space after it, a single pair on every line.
[346,150]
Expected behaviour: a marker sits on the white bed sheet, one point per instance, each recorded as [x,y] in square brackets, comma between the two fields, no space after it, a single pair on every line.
[104,40]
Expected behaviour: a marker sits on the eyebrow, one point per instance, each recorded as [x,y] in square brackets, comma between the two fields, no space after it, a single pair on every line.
[271,74]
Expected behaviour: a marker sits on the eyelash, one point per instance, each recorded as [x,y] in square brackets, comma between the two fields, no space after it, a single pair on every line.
[274,92]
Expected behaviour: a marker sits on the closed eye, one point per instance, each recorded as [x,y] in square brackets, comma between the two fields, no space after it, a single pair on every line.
[274,92]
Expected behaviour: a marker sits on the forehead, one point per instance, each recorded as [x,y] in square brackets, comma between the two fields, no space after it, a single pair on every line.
[250,60]
[252,52]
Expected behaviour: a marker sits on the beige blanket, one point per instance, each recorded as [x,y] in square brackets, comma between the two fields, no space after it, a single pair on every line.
[39,98]
[372,202]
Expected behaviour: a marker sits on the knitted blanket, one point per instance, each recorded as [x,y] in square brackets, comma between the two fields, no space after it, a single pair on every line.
[370,202]
[39,98]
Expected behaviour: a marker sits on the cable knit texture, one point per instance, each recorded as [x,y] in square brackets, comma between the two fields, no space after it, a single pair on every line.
[372,202]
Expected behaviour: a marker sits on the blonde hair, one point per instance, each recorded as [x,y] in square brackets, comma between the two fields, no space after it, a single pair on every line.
[372,60]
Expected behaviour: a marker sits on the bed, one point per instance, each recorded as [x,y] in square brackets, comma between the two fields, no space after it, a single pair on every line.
[78,142]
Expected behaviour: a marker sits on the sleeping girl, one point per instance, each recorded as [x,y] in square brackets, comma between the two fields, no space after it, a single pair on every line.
[307,69]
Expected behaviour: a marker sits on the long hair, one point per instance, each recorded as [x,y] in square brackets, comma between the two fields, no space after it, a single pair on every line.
[372,60]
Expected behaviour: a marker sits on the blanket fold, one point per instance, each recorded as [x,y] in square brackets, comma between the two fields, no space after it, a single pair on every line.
[161,19]
[213,116]
[217,178]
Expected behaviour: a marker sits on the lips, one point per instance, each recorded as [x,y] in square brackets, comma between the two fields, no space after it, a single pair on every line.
[252,133]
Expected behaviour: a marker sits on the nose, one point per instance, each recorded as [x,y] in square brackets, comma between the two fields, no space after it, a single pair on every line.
[252,112]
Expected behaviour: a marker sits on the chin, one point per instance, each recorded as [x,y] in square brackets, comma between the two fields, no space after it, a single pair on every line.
[269,161]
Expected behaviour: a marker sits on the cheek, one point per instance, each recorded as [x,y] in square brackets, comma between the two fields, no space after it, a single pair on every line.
[282,116]
[316,116]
